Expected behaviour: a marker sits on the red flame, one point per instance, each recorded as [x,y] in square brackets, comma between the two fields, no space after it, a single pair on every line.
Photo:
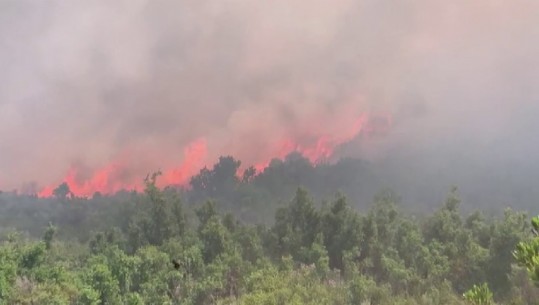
[316,146]
[194,157]
[106,180]
[113,177]
[46,192]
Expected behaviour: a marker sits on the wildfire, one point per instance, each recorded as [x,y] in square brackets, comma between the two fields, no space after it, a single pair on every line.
[315,146]
[107,180]
[194,156]
[321,147]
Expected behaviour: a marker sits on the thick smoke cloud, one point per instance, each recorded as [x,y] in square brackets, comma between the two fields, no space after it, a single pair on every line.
[94,82]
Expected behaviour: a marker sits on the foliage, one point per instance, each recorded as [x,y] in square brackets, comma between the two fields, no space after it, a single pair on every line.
[479,295]
[150,248]
[527,252]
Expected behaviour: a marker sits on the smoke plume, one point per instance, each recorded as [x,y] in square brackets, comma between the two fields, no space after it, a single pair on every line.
[103,92]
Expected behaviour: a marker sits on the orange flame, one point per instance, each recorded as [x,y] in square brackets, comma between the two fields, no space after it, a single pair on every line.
[315,146]
[194,156]
[111,179]
[322,147]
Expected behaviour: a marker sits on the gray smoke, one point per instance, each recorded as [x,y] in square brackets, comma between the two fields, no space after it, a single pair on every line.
[85,82]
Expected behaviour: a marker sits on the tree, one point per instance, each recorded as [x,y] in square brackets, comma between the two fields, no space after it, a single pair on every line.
[100,278]
[48,237]
[504,236]
[62,191]
[215,239]
[206,212]
[341,229]
[248,174]
[479,295]
[220,181]
[8,271]
[161,225]
[297,225]
[527,252]
[178,214]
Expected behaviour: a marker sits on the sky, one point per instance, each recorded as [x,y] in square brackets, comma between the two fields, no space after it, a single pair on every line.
[144,85]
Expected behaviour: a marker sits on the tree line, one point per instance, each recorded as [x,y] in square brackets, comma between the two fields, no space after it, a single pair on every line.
[151,248]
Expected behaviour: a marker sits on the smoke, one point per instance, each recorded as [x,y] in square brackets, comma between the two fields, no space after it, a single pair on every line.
[136,84]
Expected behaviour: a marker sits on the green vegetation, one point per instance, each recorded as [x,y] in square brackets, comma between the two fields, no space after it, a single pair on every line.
[153,248]
[527,253]
[479,295]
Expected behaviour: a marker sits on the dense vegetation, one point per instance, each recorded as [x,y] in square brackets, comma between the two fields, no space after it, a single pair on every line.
[172,246]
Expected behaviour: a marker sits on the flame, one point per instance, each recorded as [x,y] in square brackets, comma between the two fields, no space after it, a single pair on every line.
[46,192]
[106,180]
[316,146]
[194,156]
[115,177]
[320,148]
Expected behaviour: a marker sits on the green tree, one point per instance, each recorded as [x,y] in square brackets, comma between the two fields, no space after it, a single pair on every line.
[479,295]
[215,239]
[341,229]
[505,234]
[297,225]
[160,212]
[8,271]
[99,277]
[527,252]
[49,234]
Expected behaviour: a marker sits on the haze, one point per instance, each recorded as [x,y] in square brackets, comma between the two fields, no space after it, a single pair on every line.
[88,83]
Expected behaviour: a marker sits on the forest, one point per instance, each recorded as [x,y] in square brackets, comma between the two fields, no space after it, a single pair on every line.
[283,152]
[297,233]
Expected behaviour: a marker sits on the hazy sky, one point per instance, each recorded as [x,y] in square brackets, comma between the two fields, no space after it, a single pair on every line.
[93,82]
